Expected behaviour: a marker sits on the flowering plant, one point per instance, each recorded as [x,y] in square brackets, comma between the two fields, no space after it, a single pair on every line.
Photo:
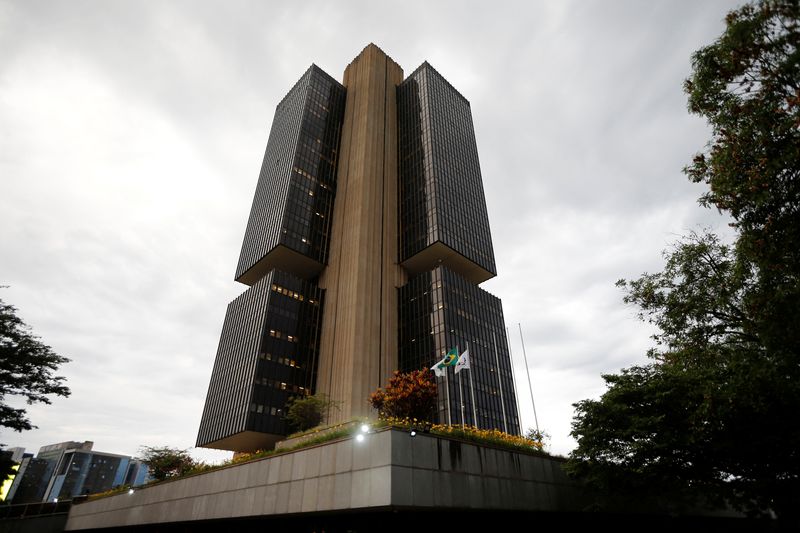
[408,395]
[470,433]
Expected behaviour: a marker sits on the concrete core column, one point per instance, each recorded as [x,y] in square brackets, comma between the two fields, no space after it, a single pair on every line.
[358,349]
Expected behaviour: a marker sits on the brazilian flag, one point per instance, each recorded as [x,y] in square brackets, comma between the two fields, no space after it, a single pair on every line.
[451,359]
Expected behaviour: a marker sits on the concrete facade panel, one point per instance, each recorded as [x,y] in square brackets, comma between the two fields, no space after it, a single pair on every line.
[244,503]
[380,449]
[342,490]
[270,502]
[295,496]
[360,489]
[470,459]
[327,461]
[325,490]
[274,470]
[402,486]
[491,493]
[460,491]
[282,501]
[475,491]
[286,468]
[299,465]
[312,460]
[380,482]
[259,499]
[442,489]
[362,452]
[344,456]
[422,487]
[310,495]
[401,453]
[424,452]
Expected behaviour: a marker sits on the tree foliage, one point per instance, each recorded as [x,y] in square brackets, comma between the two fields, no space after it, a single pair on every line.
[713,415]
[538,435]
[27,368]
[408,395]
[747,85]
[164,462]
[306,412]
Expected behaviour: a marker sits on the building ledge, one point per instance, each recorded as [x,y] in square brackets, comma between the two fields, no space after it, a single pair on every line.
[282,257]
[439,254]
[245,440]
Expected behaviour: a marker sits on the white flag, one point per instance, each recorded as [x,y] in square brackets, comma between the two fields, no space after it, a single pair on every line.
[439,368]
[463,361]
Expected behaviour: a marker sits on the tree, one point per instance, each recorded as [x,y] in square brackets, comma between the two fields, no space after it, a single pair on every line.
[408,395]
[306,412]
[165,462]
[747,85]
[27,368]
[713,415]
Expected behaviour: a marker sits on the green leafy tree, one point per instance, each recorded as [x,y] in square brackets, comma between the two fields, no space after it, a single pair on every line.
[27,371]
[306,412]
[713,416]
[408,395]
[27,368]
[164,462]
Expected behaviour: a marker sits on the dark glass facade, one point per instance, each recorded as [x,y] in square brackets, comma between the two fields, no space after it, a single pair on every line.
[290,218]
[440,310]
[441,190]
[270,339]
[267,353]
[32,485]
[88,473]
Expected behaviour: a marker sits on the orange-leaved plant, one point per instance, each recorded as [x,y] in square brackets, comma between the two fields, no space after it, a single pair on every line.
[408,395]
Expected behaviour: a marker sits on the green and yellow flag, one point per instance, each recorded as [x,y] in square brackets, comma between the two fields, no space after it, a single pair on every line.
[451,359]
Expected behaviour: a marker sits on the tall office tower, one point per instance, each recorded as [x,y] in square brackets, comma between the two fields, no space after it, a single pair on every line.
[446,248]
[367,239]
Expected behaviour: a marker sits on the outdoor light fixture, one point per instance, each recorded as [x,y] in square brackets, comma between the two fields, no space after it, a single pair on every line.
[413,432]
[360,437]
[55,500]
[364,428]
[131,491]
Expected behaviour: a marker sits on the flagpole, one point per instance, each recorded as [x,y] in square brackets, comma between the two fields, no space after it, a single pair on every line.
[472,389]
[502,401]
[514,377]
[460,391]
[447,394]
[525,355]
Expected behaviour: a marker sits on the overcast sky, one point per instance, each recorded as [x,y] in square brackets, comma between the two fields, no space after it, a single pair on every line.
[131,136]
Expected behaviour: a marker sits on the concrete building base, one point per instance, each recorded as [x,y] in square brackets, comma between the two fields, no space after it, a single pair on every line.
[388,472]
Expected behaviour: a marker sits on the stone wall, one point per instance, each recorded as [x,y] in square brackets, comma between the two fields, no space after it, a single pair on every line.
[388,469]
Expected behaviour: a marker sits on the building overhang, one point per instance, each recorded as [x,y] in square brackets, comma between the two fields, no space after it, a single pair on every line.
[439,254]
[283,258]
[245,441]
